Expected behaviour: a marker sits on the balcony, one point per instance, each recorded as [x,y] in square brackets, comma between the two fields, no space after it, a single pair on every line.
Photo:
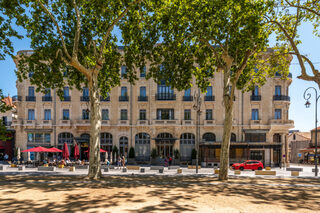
[82,122]
[208,98]
[165,97]
[16,98]
[30,123]
[104,99]
[105,123]
[66,98]
[279,75]
[255,122]
[124,122]
[281,98]
[46,98]
[187,122]
[30,98]
[209,122]
[187,98]
[143,122]
[47,122]
[84,98]
[165,122]
[65,122]
[142,98]
[255,98]
[281,122]
[123,98]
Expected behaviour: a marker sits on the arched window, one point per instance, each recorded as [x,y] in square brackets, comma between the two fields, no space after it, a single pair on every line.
[233,137]
[209,137]
[187,143]
[142,146]
[65,137]
[123,146]
[106,141]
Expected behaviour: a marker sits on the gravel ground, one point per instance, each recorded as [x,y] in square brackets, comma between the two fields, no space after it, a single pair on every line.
[25,192]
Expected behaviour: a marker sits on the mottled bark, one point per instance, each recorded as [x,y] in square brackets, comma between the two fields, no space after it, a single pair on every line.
[95,122]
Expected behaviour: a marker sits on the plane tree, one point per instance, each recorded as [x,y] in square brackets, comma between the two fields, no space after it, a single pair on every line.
[82,37]
[203,37]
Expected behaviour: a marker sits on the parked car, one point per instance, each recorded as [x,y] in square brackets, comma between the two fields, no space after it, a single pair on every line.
[248,164]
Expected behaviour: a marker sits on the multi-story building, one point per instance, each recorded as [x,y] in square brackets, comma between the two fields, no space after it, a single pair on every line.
[7,141]
[298,141]
[149,116]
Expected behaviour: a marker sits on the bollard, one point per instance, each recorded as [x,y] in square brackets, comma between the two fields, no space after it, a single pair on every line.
[124,169]
[268,168]
[21,168]
[160,170]
[216,171]
[179,171]
[106,169]
[142,170]
[295,173]
[237,172]
[72,169]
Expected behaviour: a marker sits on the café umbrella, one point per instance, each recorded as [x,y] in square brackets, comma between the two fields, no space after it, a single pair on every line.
[65,151]
[53,149]
[37,149]
[76,152]
[101,150]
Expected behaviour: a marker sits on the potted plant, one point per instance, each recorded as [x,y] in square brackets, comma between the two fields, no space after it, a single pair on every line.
[176,160]
[193,156]
[131,157]
[154,156]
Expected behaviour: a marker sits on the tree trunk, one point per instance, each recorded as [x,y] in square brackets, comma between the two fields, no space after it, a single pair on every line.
[228,96]
[95,128]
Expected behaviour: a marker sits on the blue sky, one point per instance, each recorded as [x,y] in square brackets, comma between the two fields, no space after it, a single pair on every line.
[303,117]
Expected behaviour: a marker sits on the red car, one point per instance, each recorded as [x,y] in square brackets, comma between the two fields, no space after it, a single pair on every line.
[248,164]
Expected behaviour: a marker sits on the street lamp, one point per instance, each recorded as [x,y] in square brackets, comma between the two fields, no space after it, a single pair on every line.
[197,108]
[307,96]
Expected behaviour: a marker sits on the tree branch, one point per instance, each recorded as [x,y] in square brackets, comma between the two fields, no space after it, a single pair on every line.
[110,28]
[57,26]
[314,70]
[244,64]
[304,8]
[296,25]
[77,33]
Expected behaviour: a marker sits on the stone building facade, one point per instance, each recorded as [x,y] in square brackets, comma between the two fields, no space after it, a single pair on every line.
[298,141]
[148,116]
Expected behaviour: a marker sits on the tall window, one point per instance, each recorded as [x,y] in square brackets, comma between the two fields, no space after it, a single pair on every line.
[106,142]
[255,92]
[47,92]
[209,91]
[124,91]
[277,90]
[65,114]
[277,114]
[85,92]
[163,89]
[47,114]
[65,91]
[143,91]
[187,143]
[187,114]
[209,137]
[124,114]
[105,114]
[123,144]
[142,114]
[187,92]
[85,114]
[123,71]
[255,114]
[165,114]
[38,137]
[31,114]
[31,91]
[142,146]
[65,137]
[209,114]
[143,72]
[233,137]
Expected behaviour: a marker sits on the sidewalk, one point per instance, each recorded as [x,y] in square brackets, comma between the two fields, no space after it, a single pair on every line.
[280,172]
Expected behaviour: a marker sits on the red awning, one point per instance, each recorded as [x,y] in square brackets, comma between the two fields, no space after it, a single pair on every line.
[101,150]
[53,149]
[37,149]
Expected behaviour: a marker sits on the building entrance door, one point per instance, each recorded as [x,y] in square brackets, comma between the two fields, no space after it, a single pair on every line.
[257,155]
[165,149]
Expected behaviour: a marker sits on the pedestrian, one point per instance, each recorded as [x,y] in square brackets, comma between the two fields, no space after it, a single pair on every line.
[166,161]
[170,161]
[123,161]
[6,157]
[119,162]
